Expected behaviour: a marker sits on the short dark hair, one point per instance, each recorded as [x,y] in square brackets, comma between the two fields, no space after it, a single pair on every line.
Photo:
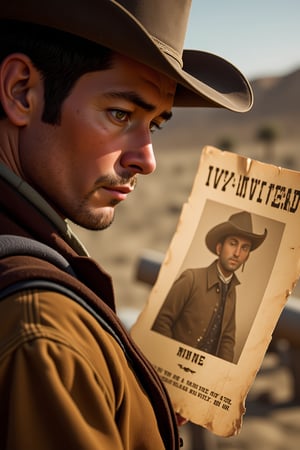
[61,58]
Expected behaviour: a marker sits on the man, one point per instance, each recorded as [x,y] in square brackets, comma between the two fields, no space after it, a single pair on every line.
[83,84]
[199,310]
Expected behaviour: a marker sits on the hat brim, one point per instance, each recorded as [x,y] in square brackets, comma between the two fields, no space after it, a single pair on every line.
[219,232]
[205,80]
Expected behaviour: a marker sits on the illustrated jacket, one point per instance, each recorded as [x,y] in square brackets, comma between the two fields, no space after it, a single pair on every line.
[190,306]
[67,381]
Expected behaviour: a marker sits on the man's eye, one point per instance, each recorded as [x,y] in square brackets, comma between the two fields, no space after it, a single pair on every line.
[119,115]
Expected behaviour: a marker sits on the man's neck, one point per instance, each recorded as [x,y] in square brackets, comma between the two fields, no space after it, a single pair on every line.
[225,279]
[43,206]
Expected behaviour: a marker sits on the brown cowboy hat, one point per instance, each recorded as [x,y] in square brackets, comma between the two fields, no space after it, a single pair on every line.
[239,224]
[151,32]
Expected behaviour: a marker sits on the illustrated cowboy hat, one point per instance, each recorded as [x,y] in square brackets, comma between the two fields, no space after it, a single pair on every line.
[151,32]
[239,224]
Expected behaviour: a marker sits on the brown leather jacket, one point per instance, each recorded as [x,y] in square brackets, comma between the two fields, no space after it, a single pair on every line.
[65,381]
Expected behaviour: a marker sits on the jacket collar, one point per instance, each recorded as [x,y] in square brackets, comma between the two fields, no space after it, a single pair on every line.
[25,213]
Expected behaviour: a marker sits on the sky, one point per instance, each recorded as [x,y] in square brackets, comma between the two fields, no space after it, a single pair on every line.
[260,37]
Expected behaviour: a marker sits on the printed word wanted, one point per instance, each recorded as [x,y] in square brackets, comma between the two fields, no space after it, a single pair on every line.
[260,191]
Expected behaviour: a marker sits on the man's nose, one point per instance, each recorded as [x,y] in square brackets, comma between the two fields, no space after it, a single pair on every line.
[238,250]
[139,156]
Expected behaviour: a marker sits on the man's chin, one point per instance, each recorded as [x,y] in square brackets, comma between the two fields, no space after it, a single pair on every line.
[95,220]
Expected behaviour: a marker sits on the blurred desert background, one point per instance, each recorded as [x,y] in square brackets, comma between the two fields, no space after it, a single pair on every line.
[147,220]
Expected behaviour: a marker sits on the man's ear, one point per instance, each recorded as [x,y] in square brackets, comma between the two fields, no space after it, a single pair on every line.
[18,80]
[218,248]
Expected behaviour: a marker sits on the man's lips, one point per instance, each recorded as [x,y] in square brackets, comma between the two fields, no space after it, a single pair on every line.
[233,261]
[119,192]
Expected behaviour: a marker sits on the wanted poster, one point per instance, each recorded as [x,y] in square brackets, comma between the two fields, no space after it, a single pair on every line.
[230,267]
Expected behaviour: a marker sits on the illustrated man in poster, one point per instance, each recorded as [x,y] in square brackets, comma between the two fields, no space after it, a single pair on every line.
[199,310]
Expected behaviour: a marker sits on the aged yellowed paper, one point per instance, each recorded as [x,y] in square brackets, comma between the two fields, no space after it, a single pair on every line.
[206,330]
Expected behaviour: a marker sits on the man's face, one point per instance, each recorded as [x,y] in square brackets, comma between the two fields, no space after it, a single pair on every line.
[88,164]
[233,253]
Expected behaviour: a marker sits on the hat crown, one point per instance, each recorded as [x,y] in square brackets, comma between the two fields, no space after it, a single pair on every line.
[151,32]
[242,220]
[238,224]
[165,20]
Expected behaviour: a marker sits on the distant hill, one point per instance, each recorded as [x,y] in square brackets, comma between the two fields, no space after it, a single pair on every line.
[277,96]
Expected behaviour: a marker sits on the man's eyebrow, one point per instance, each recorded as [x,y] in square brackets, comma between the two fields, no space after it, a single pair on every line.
[135,98]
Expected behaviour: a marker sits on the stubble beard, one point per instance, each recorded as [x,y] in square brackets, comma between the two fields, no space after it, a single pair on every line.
[93,220]
[101,218]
